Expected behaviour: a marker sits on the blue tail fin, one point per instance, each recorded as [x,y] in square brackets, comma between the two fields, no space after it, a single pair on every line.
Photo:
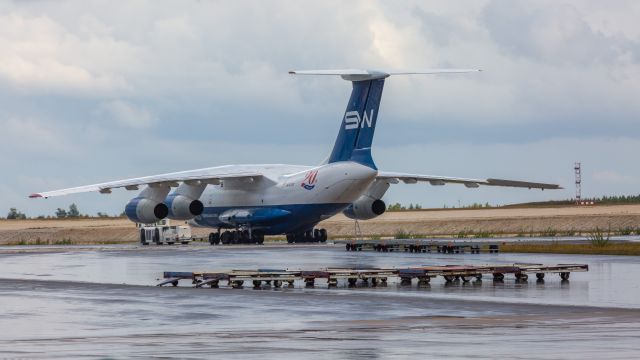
[359,123]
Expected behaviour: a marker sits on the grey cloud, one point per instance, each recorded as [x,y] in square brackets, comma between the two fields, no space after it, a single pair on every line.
[128,114]
[553,32]
[439,28]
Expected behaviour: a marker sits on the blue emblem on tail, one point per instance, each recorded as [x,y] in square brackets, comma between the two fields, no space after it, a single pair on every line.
[358,124]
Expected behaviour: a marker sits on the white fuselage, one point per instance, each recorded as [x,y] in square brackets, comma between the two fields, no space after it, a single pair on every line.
[311,194]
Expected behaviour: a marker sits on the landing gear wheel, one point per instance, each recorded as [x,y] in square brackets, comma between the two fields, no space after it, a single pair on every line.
[156,236]
[142,239]
[214,238]
[323,235]
[243,237]
[316,235]
[308,236]
[257,237]
[226,237]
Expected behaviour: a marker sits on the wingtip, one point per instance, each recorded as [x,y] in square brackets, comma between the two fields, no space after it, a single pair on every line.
[34,196]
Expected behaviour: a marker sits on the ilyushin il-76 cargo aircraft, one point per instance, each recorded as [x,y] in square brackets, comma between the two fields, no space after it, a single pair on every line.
[246,202]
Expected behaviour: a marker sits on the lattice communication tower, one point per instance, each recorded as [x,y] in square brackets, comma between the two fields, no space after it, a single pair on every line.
[577,169]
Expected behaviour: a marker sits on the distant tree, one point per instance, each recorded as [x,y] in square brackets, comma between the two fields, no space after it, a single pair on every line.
[61,213]
[396,207]
[14,214]
[418,207]
[411,206]
[73,211]
[103,215]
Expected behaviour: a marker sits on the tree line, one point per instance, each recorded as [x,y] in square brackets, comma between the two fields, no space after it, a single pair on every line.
[71,213]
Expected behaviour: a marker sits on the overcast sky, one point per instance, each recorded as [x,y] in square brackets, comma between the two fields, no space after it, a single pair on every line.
[91,91]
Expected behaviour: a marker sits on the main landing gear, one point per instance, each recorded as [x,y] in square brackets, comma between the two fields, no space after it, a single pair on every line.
[311,236]
[236,237]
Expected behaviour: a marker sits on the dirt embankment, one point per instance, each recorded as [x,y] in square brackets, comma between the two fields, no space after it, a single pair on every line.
[562,220]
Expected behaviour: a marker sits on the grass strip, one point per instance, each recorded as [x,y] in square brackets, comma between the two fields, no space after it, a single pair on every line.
[627,248]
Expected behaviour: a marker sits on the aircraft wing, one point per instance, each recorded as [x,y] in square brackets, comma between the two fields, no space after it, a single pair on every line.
[208,175]
[395,177]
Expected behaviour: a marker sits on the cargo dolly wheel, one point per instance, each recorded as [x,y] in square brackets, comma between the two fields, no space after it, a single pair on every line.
[540,276]
[564,275]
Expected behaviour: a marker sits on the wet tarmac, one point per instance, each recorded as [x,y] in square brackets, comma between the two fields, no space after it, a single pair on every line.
[97,302]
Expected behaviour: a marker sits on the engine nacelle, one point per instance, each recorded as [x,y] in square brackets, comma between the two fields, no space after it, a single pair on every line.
[365,208]
[146,211]
[182,207]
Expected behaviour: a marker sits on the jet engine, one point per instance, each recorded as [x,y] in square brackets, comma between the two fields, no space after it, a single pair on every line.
[148,207]
[146,211]
[183,203]
[365,208]
[183,207]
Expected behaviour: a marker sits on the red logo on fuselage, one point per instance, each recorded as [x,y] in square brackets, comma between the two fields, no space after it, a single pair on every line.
[310,179]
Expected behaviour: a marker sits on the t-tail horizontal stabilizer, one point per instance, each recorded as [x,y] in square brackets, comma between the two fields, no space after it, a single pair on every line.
[363,75]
